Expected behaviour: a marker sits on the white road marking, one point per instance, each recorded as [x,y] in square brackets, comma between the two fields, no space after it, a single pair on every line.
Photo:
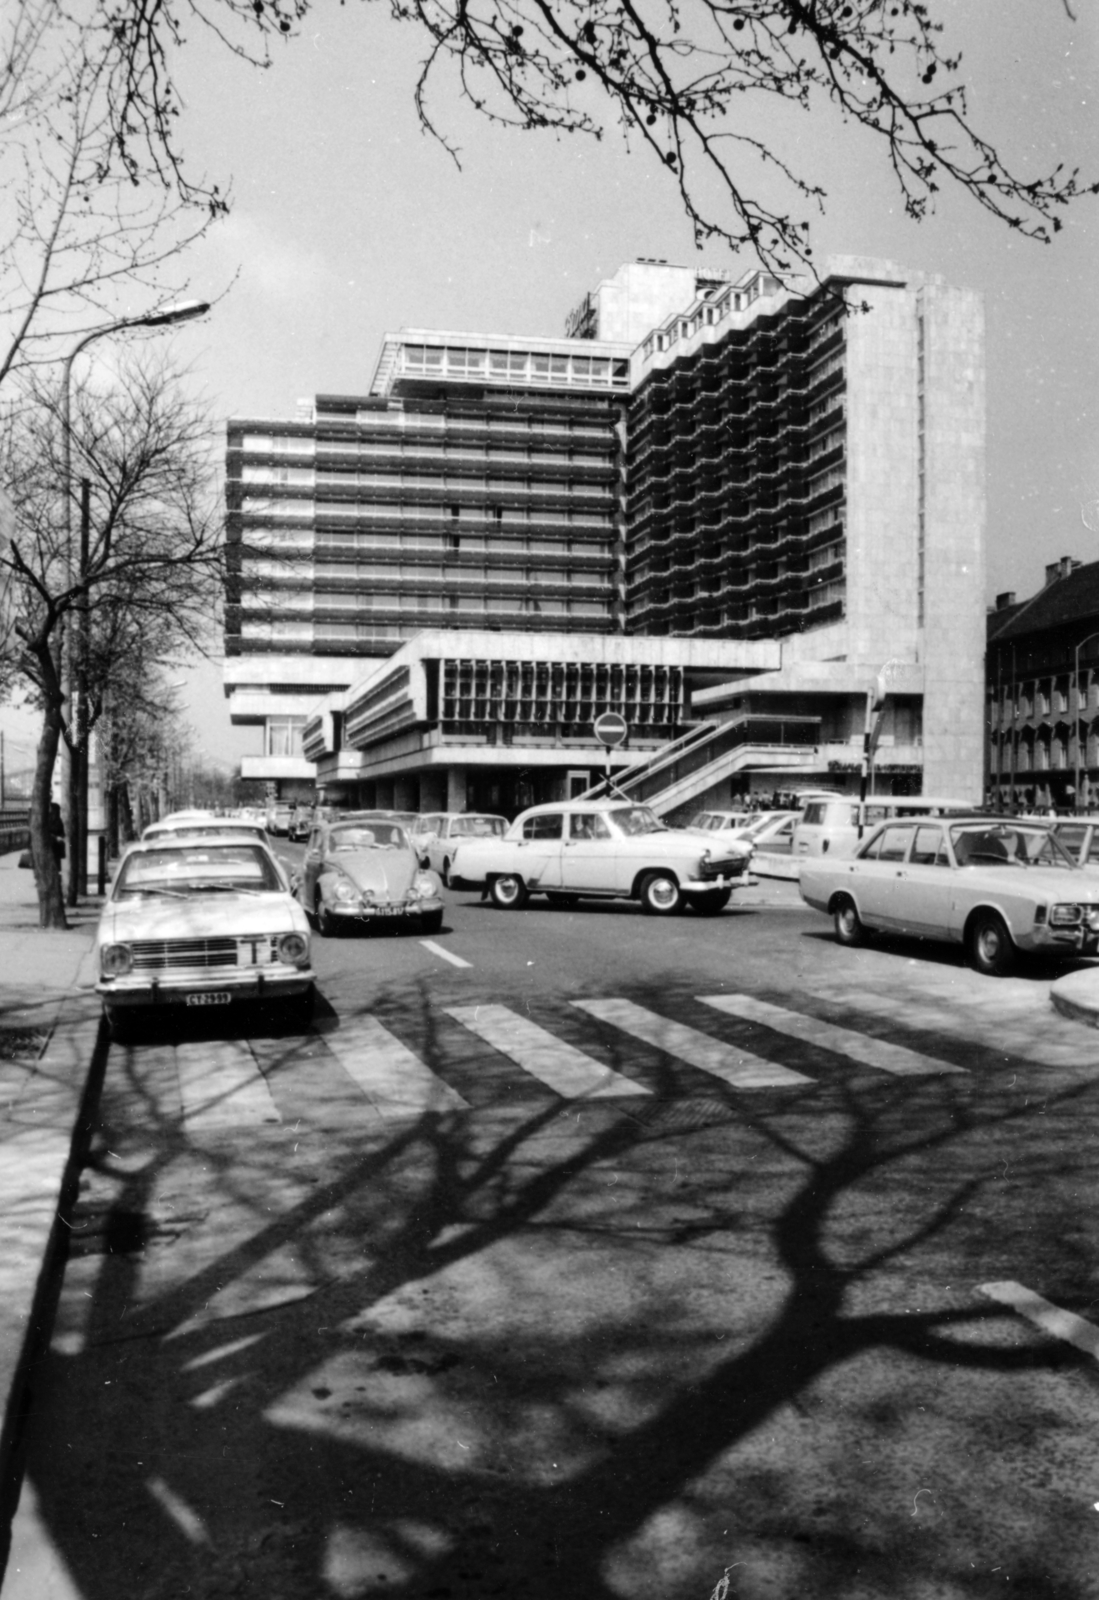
[1010,1016]
[878,1053]
[1044,1314]
[732,1065]
[566,1070]
[447,955]
[394,1080]
[220,1085]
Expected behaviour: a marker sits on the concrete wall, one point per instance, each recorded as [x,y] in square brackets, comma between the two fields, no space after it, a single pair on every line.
[954,566]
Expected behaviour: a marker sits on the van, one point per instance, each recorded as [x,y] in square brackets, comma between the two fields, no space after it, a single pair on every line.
[832,826]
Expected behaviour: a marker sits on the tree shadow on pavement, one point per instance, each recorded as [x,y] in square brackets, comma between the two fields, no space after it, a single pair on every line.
[650,1348]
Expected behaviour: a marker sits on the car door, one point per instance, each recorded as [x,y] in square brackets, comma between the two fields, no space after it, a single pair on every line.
[924,885]
[876,874]
[538,851]
[589,854]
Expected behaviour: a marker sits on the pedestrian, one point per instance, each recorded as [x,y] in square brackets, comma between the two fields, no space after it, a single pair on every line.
[57,831]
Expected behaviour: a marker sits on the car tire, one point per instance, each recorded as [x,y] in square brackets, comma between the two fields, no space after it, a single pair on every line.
[431,921]
[710,901]
[327,925]
[849,926]
[661,895]
[508,892]
[990,947]
[445,874]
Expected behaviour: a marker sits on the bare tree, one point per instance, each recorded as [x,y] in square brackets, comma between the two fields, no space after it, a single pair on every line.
[678,79]
[90,215]
[145,589]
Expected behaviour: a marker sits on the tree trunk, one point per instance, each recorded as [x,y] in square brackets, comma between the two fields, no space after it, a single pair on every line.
[47,868]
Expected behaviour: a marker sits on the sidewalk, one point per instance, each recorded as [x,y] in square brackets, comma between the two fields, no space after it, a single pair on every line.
[49,1031]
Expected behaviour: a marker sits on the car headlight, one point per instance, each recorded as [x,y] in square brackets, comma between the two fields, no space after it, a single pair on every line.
[115,960]
[346,892]
[293,950]
[423,887]
[1064,916]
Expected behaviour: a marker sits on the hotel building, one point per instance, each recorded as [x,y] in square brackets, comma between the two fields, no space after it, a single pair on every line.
[789,482]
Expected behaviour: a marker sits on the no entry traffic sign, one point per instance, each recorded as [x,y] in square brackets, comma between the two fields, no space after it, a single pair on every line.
[610,729]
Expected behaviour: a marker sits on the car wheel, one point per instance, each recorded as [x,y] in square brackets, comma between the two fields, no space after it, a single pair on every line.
[445,874]
[563,901]
[990,946]
[710,901]
[327,924]
[508,892]
[431,921]
[850,928]
[660,895]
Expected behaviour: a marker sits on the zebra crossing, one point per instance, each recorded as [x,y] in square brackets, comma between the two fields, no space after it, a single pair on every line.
[215,1085]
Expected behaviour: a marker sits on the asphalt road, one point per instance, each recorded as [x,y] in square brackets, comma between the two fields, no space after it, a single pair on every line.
[583,1254]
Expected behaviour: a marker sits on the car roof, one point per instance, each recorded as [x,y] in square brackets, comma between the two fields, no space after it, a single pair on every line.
[581,805]
[183,840]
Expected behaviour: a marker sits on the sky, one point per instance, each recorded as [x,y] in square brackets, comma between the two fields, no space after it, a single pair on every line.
[347,221]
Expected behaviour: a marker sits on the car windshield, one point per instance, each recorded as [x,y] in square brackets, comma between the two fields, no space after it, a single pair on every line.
[632,820]
[196,869]
[478,827]
[363,836]
[1010,844]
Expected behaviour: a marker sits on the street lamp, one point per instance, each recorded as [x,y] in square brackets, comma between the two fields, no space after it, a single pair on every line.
[1076,685]
[77,786]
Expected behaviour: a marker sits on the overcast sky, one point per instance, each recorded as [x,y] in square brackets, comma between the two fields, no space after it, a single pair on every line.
[347,221]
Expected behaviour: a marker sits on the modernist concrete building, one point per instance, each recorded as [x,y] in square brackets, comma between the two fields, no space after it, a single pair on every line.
[723,462]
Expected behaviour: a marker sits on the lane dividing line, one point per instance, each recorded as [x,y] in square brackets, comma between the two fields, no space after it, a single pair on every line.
[1044,1314]
[566,1070]
[221,1085]
[870,1052]
[738,1068]
[390,1075]
[437,950]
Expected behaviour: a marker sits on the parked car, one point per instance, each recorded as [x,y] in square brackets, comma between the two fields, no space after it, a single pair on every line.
[837,824]
[604,849]
[439,834]
[201,922]
[222,827]
[278,819]
[993,884]
[362,869]
[718,821]
[770,832]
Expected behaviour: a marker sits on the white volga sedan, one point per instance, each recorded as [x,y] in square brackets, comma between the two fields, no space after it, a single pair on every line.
[997,885]
[201,922]
[603,849]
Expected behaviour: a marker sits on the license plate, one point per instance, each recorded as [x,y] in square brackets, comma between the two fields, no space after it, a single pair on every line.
[220,997]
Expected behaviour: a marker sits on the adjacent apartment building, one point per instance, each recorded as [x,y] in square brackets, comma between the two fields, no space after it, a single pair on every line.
[789,478]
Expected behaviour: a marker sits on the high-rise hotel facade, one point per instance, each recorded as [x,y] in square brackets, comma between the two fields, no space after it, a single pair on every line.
[791,480]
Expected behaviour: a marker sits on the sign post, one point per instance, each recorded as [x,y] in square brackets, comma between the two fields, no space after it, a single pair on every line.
[612,730]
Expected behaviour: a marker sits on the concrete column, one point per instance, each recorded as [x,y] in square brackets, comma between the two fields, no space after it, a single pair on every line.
[406,794]
[433,790]
[456,789]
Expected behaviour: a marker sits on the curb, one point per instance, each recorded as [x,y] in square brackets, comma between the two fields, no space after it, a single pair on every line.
[44,1154]
[1077,997]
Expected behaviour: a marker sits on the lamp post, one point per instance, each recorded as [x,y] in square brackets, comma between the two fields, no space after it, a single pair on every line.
[1076,686]
[74,660]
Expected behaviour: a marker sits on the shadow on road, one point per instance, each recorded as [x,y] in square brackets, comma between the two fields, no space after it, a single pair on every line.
[640,1348]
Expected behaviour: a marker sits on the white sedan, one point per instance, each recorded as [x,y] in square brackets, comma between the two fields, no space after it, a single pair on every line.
[602,849]
[201,922]
[996,885]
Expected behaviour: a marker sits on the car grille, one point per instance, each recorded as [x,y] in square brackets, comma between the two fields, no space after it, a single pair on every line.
[725,867]
[156,954]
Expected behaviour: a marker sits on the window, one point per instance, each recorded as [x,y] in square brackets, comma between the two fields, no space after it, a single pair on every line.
[546,826]
[284,736]
[927,850]
[588,825]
